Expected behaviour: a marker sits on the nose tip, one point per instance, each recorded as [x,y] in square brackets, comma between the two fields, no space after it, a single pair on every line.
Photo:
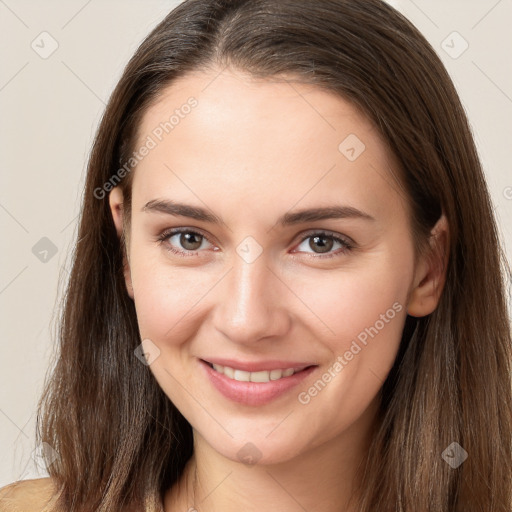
[251,305]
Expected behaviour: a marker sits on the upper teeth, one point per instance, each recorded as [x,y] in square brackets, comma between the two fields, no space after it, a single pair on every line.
[262,376]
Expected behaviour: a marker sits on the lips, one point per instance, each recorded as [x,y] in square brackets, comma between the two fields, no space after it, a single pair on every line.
[255,392]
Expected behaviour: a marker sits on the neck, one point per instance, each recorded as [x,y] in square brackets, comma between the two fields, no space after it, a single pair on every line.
[323,478]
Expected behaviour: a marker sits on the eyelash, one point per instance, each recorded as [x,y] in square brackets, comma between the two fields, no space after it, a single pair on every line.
[347,246]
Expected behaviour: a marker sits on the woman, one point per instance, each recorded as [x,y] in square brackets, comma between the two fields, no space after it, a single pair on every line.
[286,291]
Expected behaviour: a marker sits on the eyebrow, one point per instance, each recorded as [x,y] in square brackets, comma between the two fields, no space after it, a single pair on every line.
[290,218]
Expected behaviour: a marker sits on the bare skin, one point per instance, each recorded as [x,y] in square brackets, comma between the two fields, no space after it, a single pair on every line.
[250,152]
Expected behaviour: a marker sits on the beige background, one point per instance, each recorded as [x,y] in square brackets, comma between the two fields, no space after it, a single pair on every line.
[50,108]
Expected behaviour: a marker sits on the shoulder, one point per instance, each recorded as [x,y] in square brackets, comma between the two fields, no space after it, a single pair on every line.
[28,495]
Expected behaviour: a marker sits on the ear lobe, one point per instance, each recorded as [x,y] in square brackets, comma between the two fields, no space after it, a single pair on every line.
[127,277]
[430,276]
[115,199]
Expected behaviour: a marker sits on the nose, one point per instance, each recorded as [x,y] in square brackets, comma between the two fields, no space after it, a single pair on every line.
[252,303]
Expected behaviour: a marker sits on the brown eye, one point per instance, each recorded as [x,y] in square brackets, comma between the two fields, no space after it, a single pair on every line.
[190,240]
[182,241]
[323,243]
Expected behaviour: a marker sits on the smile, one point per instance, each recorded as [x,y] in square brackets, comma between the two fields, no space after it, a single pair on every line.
[254,388]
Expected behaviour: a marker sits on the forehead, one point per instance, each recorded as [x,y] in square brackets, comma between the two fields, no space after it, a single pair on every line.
[225,134]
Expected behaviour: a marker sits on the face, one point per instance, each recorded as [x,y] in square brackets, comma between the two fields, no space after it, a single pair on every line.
[267,232]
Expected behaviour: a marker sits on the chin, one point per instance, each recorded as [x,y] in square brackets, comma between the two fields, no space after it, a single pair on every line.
[257,452]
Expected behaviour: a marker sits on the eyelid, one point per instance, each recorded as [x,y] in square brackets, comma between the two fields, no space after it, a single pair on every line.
[167,233]
[185,229]
[347,245]
[343,238]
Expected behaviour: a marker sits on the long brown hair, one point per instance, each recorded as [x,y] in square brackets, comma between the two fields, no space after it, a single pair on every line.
[121,441]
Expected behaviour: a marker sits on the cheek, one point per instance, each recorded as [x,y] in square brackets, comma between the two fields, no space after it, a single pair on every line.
[363,317]
[166,299]
[345,302]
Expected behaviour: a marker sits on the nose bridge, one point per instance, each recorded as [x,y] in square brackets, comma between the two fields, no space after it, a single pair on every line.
[251,306]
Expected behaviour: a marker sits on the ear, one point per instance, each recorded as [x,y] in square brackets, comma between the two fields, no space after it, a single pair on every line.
[115,200]
[430,274]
